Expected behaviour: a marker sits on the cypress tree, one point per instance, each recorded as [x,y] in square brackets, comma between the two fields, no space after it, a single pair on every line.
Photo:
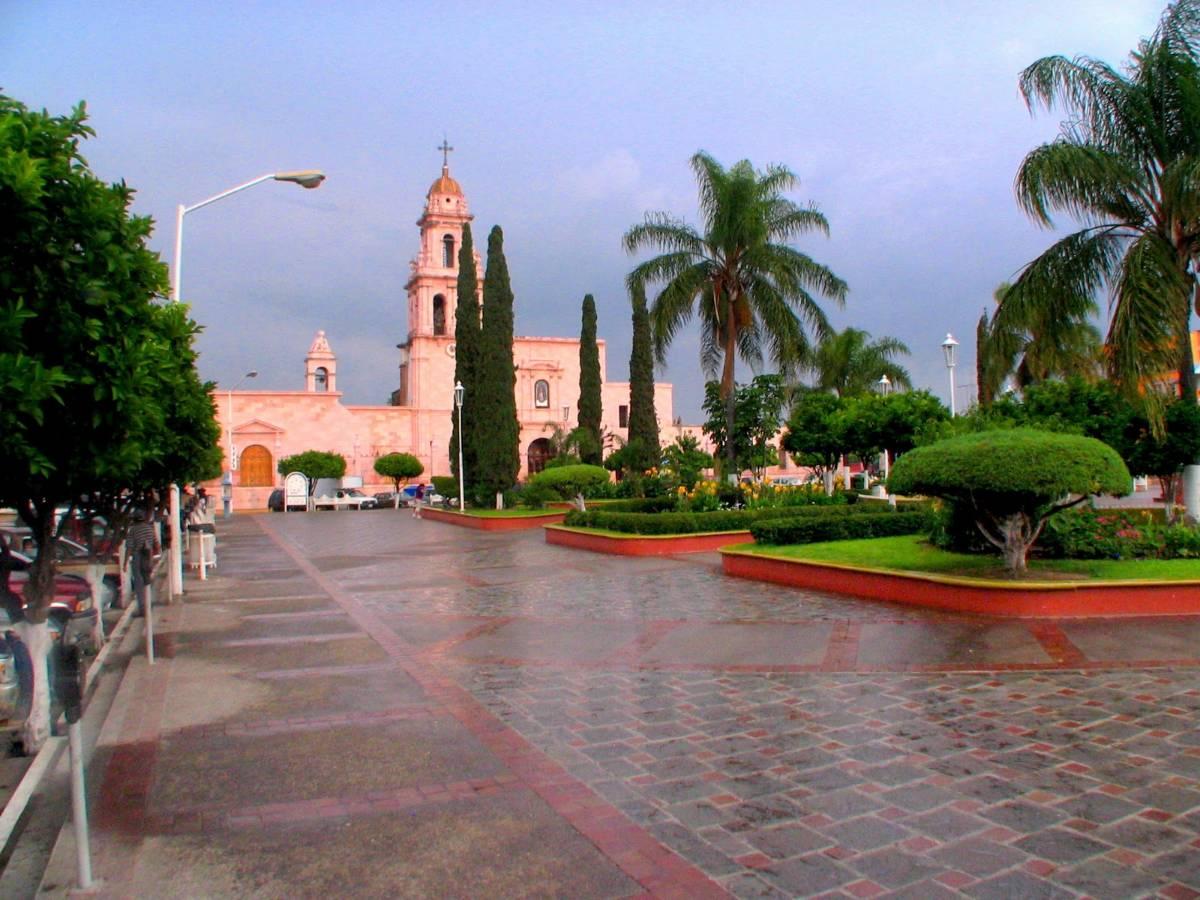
[590,410]
[643,421]
[467,339]
[496,432]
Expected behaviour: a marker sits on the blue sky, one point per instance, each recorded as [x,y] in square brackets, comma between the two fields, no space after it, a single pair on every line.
[570,121]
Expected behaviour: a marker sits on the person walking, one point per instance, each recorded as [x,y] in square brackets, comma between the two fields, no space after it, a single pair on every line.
[142,543]
[418,497]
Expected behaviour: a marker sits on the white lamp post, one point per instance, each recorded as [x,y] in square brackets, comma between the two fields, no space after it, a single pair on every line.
[949,348]
[885,388]
[309,178]
[232,462]
[458,402]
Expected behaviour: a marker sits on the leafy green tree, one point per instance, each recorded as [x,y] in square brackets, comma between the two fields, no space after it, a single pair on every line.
[849,364]
[496,430]
[874,424]
[1032,350]
[571,482]
[467,338]
[815,434]
[687,459]
[758,409]
[1012,481]
[1125,167]
[750,290]
[1164,456]
[399,467]
[590,409]
[313,465]
[643,420]
[101,396]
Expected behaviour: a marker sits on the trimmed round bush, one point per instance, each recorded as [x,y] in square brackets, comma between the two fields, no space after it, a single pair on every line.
[1011,481]
[571,481]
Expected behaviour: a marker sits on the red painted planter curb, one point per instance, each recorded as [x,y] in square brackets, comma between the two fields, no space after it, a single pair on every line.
[487,523]
[1040,601]
[643,544]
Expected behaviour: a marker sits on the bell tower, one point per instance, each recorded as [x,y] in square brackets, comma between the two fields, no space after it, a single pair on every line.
[433,291]
[320,367]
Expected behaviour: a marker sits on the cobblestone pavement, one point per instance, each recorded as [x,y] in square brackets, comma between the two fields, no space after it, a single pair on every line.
[795,744]
[364,704]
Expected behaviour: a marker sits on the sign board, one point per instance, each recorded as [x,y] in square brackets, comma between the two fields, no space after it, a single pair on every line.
[295,491]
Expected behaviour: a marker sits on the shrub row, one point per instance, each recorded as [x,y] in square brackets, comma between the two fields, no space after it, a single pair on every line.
[1116,534]
[721,520]
[812,529]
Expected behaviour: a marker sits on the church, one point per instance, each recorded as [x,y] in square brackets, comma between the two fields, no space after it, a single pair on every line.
[260,427]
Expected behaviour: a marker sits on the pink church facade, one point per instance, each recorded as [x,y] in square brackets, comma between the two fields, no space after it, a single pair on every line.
[260,427]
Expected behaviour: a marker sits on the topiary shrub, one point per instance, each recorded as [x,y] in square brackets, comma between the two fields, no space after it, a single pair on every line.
[571,481]
[1012,481]
[536,496]
[696,523]
[852,526]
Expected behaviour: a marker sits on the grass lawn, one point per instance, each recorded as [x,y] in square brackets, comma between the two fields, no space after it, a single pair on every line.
[913,553]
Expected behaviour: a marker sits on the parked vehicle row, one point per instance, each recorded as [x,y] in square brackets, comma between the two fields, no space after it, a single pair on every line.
[354,498]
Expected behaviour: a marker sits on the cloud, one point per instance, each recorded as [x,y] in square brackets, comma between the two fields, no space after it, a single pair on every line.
[616,173]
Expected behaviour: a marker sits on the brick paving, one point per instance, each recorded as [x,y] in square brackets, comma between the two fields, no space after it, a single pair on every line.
[634,727]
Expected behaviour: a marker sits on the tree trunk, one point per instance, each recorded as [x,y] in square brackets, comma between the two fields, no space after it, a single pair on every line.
[827,478]
[1017,538]
[36,638]
[1189,386]
[1169,484]
[499,500]
[579,501]
[729,395]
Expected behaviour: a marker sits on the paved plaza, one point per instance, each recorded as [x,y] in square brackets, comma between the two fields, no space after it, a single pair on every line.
[364,704]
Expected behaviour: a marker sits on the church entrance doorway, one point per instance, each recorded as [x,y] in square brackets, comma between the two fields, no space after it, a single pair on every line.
[539,452]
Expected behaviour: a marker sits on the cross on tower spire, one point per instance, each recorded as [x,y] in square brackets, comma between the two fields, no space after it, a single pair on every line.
[446,149]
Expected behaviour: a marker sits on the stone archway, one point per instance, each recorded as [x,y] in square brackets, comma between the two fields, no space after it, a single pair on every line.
[538,453]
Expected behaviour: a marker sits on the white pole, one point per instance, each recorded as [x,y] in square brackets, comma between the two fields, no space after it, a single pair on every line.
[83,849]
[148,608]
[175,574]
[461,474]
[953,412]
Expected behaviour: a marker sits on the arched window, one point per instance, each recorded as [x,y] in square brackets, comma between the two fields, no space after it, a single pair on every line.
[448,251]
[321,378]
[439,314]
[541,394]
[254,467]
[539,452]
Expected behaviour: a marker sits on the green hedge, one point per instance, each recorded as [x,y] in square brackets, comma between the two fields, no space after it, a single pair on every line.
[813,529]
[721,520]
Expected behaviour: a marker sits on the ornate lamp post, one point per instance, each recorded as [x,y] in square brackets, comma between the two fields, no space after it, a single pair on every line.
[885,388]
[950,348]
[458,402]
[309,178]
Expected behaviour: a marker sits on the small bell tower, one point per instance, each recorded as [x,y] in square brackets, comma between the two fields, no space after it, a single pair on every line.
[320,367]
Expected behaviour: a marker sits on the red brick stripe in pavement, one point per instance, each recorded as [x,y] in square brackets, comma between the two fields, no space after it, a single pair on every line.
[658,869]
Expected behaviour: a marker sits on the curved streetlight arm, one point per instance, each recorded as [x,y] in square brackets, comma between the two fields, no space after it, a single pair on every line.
[307,178]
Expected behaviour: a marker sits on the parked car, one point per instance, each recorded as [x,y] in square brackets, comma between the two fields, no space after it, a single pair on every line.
[387,500]
[345,498]
[72,610]
[275,502]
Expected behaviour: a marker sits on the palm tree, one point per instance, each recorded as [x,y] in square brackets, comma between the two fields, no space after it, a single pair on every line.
[1127,167]
[848,363]
[1033,350]
[749,289]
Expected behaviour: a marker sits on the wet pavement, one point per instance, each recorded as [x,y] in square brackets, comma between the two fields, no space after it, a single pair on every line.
[371,705]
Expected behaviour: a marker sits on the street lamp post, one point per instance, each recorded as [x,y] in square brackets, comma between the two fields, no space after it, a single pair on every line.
[885,388]
[309,178]
[458,402]
[232,462]
[949,348]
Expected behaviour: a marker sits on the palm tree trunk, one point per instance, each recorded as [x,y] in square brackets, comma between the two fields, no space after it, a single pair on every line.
[730,395]
[1189,386]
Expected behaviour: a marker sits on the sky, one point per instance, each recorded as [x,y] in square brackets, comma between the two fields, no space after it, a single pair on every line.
[570,121]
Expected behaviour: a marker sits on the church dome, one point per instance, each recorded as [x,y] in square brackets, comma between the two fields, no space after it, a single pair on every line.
[446,184]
